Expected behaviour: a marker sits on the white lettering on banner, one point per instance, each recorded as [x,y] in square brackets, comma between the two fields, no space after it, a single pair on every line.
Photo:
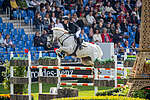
[35,74]
[66,72]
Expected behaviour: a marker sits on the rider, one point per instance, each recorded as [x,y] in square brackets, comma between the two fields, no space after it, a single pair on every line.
[72,28]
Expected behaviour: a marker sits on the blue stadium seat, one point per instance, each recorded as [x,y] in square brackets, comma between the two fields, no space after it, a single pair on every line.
[6,56]
[3,25]
[6,31]
[1,21]
[26,20]
[24,38]
[28,43]
[1,49]
[23,13]
[31,36]
[53,55]
[86,30]
[33,49]
[30,14]
[15,15]
[21,43]
[40,48]
[72,11]
[10,50]
[36,55]
[21,31]
[44,54]
[17,49]
[10,26]
[66,12]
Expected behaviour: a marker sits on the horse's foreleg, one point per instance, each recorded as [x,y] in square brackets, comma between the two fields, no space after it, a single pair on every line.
[67,50]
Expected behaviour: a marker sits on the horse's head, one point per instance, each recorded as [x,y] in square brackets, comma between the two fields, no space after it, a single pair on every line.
[58,32]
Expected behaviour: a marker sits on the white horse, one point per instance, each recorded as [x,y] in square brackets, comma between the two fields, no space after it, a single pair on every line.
[88,54]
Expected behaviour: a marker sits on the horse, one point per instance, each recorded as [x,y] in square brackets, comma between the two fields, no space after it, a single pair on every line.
[67,43]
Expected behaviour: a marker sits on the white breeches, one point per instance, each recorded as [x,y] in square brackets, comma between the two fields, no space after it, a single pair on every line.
[78,33]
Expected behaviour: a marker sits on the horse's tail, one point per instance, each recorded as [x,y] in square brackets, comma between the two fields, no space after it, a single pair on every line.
[100,53]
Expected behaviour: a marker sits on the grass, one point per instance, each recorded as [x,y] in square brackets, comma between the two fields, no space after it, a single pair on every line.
[83,90]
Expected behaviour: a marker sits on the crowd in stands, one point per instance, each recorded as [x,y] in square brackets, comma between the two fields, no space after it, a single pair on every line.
[101,21]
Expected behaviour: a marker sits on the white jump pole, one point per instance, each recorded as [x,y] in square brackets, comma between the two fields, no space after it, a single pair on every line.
[11,75]
[40,74]
[58,72]
[95,78]
[29,75]
[115,74]
[125,70]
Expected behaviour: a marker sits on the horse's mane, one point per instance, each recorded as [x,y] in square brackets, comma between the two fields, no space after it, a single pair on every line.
[60,29]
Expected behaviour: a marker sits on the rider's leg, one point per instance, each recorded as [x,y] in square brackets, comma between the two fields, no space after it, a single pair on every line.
[78,38]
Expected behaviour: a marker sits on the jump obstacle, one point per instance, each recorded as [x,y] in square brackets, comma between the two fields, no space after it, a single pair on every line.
[59,76]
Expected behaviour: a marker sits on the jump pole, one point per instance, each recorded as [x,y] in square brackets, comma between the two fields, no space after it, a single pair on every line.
[95,78]
[11,75]
[29,75]
[58,72]
[115,74]
[40,74]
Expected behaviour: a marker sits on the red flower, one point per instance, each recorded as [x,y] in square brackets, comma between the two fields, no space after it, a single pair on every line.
[26,50]
[92,42]
[55,49]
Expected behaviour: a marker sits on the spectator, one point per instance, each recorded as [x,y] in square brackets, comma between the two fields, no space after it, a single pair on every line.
[105,36]
[116,49]
[121,17]
[120,47]
[42,12]
[75,17]
[124,26]
[118,27]
[14,7]
[117,37]
[46,22]
[1,40]
[101,8]
[91,33]
[49,11]
[37,40]
[22,4]
[112,28]
[37,20]
[97,17]
[82,21]
[128,18]
[83,36]
[8,42]
[108,27]
[126,46]
[134,19]
[86,10]
[132,34]
[97,37]
[108,8]
[117,8]
[137,36]
[90,19]
[58,24]
[44,39]
[57,12]
[100,27]
[123,8]
[132,50]
[128,6]
[53,18]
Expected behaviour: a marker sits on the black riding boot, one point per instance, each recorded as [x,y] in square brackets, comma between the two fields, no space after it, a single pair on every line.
[79,43]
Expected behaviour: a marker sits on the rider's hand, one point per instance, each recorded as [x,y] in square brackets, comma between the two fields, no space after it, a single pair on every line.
[65,32]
